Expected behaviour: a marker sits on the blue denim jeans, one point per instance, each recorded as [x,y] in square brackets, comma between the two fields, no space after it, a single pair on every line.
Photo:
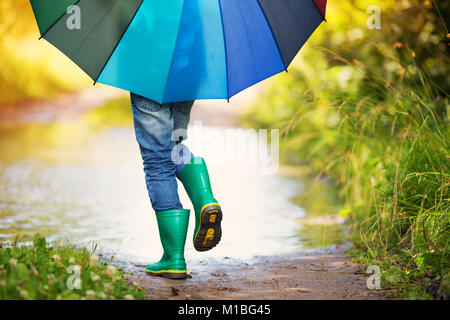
[160,130]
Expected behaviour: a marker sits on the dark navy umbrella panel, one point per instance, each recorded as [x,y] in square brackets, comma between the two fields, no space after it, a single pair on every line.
[292,23]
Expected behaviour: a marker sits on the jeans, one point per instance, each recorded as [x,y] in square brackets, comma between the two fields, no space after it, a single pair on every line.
[160,130]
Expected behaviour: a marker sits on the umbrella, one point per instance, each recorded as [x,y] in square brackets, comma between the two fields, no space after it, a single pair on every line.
[178,50]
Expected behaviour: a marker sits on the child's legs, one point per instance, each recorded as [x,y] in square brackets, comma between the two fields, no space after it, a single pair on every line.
[154,125]
[181,112]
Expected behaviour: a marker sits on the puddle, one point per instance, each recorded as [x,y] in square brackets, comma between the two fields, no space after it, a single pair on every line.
[68,181]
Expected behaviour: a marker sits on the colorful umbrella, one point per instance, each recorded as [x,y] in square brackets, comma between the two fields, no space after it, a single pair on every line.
[177,50]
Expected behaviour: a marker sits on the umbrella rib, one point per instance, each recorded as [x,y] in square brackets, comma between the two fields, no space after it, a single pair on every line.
[225,48]
[173,52]
[117,44]
[93,27]
[56,21]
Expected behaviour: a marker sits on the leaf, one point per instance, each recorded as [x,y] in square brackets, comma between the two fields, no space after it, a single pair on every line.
[393,275]
[39,241]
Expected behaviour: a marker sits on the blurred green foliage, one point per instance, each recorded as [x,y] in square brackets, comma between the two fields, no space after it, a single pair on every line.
[62,271]
[114,113]
[368,109]
[31,68]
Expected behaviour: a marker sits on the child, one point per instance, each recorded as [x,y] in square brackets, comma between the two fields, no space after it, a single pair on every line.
[166,159]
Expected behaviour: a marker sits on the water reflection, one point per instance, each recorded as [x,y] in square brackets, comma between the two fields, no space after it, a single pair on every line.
[85,183]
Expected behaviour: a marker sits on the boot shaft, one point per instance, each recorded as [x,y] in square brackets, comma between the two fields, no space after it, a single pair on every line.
[208,213]
[196,181]
[173,226]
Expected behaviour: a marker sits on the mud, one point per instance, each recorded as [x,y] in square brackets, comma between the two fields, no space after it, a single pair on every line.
[296,276]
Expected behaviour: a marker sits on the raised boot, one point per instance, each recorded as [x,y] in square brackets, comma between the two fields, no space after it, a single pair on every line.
[208,214]
[173,226]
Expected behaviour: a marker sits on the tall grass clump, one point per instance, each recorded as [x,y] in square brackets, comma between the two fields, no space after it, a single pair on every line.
[372,116]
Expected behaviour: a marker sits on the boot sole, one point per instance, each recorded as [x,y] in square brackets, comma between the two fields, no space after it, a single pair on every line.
[209,233]
[168,275]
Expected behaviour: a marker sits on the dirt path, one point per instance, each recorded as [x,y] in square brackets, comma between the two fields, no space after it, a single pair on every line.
[290,277]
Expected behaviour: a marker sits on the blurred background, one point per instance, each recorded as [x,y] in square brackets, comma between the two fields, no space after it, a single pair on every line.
[31,69]
[365,142]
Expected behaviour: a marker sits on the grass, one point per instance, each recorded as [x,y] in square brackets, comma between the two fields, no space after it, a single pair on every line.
[50,272]
[382,140]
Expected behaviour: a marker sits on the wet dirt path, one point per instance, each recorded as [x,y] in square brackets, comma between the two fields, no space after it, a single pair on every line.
[289,277]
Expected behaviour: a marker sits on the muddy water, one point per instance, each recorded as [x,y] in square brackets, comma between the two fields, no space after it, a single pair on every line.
[73,181]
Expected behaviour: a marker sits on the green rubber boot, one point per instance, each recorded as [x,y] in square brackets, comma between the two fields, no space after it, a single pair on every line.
[208,214]
[173,226]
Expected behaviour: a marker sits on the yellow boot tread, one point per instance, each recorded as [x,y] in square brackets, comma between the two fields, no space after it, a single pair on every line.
[209,231]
